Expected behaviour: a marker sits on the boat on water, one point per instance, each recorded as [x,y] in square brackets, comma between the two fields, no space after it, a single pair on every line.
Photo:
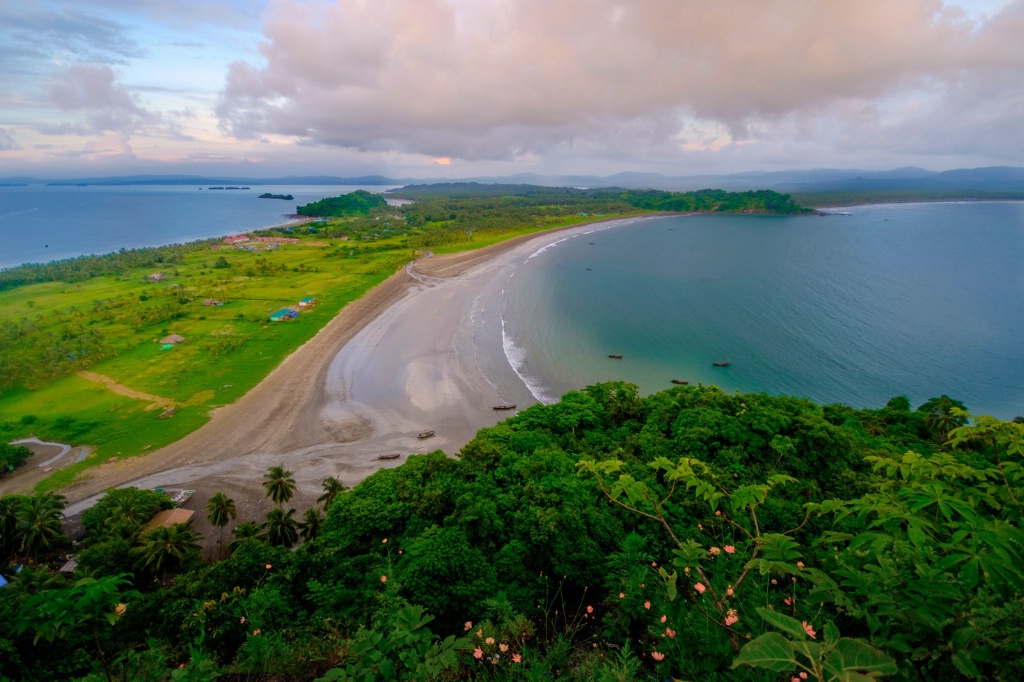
[720,363]
[681,382]
[617,356]
[425,434]
[388,456]
[510,406]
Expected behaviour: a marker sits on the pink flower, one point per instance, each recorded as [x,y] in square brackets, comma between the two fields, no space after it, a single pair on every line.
[729,549]
[468,626]
[590,609]
[516,658]
[803,675]
[718,513]
[664,618]
[383,578]
[478,653]
[700,527]
[269,567]
[729,592]
[670,633]
[489,641]
[480,632]
[384,541]
[503,647]
[731,617]
[809,630]
[800,564]
[654,563]
[794,679]
[256,631]
[715,551]
[700,588]
[647,604]
[787,601]
[242,620]
[657,655]
[622,595]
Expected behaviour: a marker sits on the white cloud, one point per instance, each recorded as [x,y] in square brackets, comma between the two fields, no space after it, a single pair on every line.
[507,79]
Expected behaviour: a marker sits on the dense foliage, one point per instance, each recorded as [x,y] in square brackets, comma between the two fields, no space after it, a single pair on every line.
[691,534]
[715,201]
[359,202]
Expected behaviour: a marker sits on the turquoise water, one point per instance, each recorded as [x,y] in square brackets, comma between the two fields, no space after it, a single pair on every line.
[912,299]
[39,224]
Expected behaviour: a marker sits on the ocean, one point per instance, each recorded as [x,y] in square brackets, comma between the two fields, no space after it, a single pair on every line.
[879,301]
[39,224]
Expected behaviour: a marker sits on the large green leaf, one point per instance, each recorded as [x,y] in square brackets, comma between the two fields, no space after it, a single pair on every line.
[855,659]
[771,650]
[791,626]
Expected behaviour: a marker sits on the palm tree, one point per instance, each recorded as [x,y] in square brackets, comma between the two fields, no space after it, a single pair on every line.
[310,525]
[939,416]
[9,505]
[248,530]
[165,549]
[332,487]
[220,510]
[38,524]
[281,527]
[279,484]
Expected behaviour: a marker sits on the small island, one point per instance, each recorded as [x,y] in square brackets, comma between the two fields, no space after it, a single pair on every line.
[268,195]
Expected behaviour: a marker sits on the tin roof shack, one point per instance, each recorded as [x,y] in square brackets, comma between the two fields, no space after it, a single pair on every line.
[284,314]
[172,339]
[167,518]
[307,302]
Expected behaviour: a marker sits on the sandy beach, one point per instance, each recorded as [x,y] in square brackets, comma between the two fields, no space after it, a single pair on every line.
[421,351]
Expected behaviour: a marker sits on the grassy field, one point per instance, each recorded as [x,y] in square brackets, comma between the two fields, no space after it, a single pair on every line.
[227,350]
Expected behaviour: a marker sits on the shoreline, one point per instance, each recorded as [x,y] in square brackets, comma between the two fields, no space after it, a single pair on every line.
[417,352]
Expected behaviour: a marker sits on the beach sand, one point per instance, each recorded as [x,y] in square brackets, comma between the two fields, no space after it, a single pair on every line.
[421,351]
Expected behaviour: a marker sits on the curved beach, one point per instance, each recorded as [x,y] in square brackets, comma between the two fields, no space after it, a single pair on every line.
[421,351]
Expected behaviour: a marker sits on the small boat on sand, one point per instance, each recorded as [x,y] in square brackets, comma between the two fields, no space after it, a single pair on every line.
[720,363]
[617,356]
[388,456]
[681,382]
[425,434]
[504,407]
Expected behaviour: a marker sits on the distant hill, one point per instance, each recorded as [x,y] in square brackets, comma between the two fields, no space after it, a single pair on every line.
[1005,179]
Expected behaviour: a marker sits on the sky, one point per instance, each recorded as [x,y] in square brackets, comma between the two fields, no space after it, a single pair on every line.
[461,88]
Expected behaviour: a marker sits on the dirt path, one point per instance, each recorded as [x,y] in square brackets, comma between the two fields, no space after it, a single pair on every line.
[154,401]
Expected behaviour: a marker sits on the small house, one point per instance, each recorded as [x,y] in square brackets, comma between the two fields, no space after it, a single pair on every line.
[236,239]
[167,518]
[284,314]
[212,301]
[172,339]
[307,302]
[156,277]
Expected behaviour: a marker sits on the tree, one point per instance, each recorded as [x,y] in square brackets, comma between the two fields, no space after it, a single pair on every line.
[279,484]
[332,488]
[940,415]
[249,530]
[38,524]
[166,549]
[220,510]
[310,525]
[122,511]
[9,506]
[281,527]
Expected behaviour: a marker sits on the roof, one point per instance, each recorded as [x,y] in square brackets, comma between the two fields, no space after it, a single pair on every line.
[308,299]
[172,338]
[167,518]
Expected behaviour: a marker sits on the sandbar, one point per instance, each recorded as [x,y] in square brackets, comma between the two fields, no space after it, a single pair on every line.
[420,351]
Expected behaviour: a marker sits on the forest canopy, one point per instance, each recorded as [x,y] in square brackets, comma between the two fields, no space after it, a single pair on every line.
[690,534]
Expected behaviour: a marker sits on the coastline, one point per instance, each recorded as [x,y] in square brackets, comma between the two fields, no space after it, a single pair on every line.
[421,351]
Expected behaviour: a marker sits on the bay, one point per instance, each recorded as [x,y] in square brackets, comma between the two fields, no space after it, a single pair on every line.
[909,299]
[39,224]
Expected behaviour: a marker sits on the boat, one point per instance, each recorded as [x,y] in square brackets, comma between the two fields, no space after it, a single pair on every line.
[510,406]
[720,363]
[617,356]
[388,456]
[681,382]
[425,434]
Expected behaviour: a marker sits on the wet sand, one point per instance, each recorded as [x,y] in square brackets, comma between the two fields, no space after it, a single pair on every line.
[421,351]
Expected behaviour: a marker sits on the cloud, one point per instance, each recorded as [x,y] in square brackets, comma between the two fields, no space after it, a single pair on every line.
[93,90]
[7,142]
[507,79]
